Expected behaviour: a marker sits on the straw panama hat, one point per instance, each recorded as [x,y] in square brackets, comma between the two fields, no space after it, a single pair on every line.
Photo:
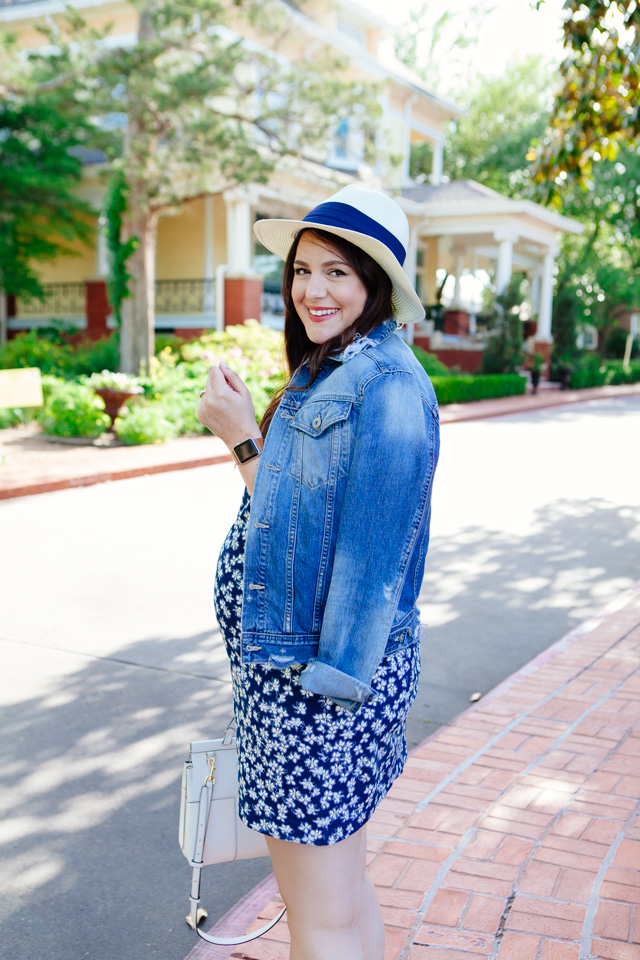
[370,220]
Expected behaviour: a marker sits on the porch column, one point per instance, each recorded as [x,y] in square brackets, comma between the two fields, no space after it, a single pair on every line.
[238,235]
[546,298]
[436,167]
[535,293]
[505,260]
[209,266]
[242,289]
[457,274]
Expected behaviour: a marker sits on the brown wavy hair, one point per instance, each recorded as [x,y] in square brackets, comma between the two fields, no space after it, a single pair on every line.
[297,345]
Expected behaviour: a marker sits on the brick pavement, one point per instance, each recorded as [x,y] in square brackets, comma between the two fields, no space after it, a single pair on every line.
[514,832]
[30,463]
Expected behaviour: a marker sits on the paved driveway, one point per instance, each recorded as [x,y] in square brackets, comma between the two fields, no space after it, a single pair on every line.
[111,662]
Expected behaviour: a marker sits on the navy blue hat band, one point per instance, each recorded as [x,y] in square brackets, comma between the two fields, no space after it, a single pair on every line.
[346,217]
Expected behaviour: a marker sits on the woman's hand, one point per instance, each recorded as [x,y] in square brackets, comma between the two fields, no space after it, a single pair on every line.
[226,407]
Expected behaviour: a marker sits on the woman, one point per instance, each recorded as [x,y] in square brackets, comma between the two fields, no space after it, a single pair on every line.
[318,578]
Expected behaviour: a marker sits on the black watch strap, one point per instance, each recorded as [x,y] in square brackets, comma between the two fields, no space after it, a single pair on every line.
[248,449]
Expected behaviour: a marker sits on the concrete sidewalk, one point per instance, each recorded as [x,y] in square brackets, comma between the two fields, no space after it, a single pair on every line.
[31,463]
[514,832]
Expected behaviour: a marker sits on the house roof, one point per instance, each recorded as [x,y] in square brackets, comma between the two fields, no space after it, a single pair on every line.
[468,198]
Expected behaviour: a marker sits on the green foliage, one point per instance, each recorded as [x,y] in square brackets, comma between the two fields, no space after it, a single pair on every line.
[145,423]
[596,109]
[465,389]
[430,363]
[171,392]
[491,142]
[616,343]
[436,44]
[41,128]
[54,356]
[503,352]
[15,416]
[179,373]
[73,410]
[591,371]
[114,210]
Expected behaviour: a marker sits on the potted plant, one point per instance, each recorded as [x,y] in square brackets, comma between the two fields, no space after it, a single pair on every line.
[535,366]
[115,389]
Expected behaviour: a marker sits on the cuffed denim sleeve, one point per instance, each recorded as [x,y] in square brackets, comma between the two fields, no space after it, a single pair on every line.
[385,509]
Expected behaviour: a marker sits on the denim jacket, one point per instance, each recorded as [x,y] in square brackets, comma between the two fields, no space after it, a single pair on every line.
[339,521]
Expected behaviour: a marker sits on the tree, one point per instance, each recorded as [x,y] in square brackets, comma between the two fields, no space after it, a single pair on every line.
[503,352]
[41,128]
[599,272]
[202,110]
[436,45]
[491,141]
[597,108]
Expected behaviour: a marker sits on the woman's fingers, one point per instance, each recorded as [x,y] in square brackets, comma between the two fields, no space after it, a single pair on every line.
[234,379]
[226,407]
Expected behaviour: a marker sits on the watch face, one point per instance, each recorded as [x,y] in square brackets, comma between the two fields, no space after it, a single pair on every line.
[247,450]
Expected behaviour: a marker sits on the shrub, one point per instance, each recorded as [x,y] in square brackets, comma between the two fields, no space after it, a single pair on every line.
[14,416]
[35,349]
[73,410]
[591,371]
[465,389]
[616,343]
[253,351]
[430,363]
[145,423]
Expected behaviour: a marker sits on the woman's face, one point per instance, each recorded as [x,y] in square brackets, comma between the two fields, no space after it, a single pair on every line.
[327,293]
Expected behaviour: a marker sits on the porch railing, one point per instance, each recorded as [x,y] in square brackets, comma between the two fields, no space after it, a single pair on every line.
[60,300]
[185,296]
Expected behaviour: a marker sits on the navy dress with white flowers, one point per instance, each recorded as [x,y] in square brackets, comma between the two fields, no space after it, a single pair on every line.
[309,771]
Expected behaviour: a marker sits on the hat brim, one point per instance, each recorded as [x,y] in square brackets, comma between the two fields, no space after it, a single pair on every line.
[278,235]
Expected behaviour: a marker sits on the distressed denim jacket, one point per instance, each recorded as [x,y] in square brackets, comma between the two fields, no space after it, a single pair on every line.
[339,521]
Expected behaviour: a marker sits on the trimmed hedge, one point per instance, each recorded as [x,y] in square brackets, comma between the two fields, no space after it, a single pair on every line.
[465,389]
[429,362]
[592,371]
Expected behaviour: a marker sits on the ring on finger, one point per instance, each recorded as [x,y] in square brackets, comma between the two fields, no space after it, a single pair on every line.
[202,393]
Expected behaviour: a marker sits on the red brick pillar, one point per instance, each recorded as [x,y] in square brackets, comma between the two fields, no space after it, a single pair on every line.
[242,299]
[543,349]
[97,309]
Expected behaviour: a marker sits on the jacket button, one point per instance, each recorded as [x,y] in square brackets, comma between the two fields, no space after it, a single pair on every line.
[317,423]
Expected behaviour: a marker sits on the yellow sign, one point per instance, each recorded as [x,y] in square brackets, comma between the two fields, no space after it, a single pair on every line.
[20,388]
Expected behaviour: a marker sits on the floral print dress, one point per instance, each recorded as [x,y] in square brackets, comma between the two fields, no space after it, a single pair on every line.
[308,771]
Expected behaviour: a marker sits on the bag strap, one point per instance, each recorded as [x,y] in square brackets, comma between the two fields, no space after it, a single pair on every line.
[204,808]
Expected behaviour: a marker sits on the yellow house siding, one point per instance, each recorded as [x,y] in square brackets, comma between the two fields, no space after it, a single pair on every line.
[122,16]
[68,269]
[180,249]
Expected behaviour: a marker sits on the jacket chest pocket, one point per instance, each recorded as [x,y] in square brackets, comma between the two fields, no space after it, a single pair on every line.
[321,439]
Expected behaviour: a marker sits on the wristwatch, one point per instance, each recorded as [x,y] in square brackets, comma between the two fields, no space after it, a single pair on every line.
[248,450]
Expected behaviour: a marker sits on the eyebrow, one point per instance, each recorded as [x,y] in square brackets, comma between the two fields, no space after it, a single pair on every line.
[327,263]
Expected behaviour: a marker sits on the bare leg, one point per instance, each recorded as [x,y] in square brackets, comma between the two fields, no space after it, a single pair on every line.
[331,904]
[371,925]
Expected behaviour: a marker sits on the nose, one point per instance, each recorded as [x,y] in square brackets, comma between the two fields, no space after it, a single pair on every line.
[316,287]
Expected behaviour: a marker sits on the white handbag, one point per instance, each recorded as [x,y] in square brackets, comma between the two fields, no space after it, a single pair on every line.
[210,829]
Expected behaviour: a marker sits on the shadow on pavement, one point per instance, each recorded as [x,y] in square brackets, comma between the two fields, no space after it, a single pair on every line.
[90,779]
[493,602]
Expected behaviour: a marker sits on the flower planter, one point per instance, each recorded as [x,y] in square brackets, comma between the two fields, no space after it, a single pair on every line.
[115,400]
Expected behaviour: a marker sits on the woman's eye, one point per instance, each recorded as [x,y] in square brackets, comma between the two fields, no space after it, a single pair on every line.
[338,273]
[300,271]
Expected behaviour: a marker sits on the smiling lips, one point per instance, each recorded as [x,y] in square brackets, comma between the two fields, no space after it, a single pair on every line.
[320,313]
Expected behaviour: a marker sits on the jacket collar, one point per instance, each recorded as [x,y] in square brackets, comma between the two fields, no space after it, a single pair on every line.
[372,339]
